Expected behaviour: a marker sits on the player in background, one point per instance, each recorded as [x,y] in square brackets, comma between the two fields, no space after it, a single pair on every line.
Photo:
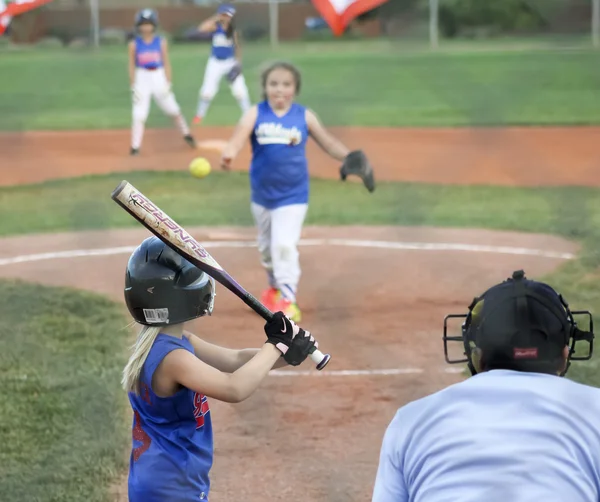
[225,60]
[171,373]
[515,431]
[278,129]
[150,76]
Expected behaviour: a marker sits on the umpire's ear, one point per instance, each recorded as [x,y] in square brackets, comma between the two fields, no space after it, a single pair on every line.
[476,359]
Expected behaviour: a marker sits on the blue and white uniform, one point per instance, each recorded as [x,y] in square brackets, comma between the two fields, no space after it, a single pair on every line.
[279,181]
[499,436]
[172,450]
[151,82]
[221,61]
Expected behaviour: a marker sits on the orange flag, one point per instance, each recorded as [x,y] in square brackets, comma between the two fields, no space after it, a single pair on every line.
[12,8]
[339,13]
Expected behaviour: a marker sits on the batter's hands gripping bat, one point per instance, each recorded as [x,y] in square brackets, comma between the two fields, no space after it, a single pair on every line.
[173,235]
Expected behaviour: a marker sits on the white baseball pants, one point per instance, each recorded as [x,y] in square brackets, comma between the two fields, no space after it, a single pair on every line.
[149,84]
[215,70]
[153,84]
[279,231]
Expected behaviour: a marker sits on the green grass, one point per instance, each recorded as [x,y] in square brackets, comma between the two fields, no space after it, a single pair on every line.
[381,83]
[61,419]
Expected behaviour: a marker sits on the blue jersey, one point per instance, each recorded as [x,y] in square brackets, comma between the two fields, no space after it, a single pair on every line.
[148,55]
[279,170]
[172,449]
[222,45]
[499,436]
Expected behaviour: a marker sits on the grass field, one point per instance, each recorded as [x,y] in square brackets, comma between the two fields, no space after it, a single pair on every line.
[61,418]
[58,369]
[70,89]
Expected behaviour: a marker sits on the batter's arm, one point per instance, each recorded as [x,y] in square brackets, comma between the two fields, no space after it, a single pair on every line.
[131,50]
[242,132]
[180,366]
[166,60]
[324,139]
[223,358]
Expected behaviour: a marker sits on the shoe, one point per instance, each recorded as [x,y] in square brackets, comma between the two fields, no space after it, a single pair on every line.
[189,139]
[270,297]
[134,151]
[196,120]
[289,309]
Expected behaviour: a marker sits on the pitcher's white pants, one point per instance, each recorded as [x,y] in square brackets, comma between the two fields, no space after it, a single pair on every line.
[279,231]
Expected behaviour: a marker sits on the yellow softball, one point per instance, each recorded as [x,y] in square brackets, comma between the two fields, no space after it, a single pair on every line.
[200,167]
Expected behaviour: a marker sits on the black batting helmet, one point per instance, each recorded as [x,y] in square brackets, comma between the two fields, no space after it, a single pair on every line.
[163,288]
[146,16]
[523,325]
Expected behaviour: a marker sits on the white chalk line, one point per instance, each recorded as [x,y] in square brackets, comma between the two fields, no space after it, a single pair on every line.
[418,246]
[349,373]
[421,246]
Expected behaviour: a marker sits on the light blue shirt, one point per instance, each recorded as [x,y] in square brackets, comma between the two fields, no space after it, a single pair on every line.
[499,436]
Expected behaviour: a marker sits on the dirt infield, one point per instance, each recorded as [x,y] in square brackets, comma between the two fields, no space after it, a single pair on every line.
[375,297]
[510,156]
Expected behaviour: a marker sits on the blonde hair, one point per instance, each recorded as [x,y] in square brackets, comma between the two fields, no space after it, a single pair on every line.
[140,350]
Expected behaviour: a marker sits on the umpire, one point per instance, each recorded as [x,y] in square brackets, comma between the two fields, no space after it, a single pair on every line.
[513,432]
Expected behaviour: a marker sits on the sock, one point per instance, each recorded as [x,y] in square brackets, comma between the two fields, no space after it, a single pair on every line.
[288,293]
[137,133]
[181,124]
[244,103]
[202,107]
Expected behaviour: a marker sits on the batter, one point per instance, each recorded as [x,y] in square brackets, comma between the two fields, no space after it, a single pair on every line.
[150,76]
[225,61]
[171,374]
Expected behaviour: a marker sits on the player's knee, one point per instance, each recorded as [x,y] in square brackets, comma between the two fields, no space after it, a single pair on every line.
[207,94]
[284,251]
[139,115]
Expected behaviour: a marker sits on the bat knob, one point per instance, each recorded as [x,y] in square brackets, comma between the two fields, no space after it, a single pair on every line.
[324,362]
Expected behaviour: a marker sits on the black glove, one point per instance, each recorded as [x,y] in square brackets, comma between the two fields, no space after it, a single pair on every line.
[356,163]
[234,72]
[280,331]
[303,345]
[292,341]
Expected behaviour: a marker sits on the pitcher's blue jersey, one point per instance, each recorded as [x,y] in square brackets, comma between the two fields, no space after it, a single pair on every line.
[222,46]
[499,436]
[172,449]
[279,169]
[148,55]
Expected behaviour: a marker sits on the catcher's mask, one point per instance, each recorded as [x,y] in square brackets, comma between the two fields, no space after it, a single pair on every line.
[520,324]
[163,288]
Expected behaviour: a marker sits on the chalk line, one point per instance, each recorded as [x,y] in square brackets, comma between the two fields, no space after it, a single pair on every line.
[411,246]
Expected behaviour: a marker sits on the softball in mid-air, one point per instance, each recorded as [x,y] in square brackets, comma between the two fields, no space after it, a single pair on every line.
[199,167]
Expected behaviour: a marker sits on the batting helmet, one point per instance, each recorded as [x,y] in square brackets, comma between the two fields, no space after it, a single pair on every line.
[522,325]
[146,16]
[163,288]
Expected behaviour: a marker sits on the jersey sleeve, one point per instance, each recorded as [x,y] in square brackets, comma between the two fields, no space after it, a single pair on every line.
[390,485]
[161,348]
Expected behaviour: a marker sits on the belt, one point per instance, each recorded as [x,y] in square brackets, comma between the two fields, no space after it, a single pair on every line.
[150,69]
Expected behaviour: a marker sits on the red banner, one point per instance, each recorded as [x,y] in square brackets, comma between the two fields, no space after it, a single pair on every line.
[12,8]
[338,14]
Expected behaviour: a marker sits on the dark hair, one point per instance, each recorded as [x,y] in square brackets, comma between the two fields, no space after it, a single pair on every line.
[283,65]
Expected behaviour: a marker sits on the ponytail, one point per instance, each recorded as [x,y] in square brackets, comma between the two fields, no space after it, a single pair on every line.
[131,374]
